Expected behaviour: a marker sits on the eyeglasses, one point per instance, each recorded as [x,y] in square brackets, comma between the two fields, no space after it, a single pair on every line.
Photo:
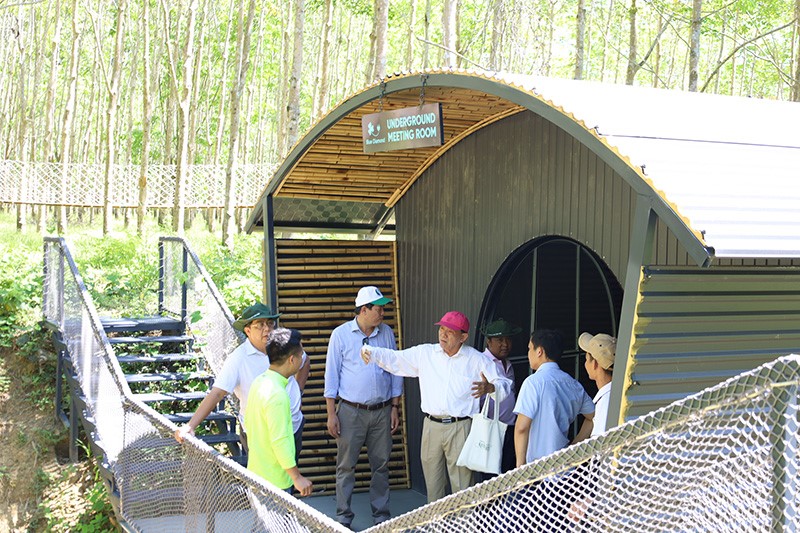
[261,324]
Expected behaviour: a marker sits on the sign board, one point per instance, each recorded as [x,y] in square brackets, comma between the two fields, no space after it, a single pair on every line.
[410,127]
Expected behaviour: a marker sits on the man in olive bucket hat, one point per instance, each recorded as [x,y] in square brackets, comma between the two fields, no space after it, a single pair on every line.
[499,343]
[243,365]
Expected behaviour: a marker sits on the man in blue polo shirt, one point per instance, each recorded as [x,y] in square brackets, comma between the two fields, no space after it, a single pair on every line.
[369,407]
[548,402]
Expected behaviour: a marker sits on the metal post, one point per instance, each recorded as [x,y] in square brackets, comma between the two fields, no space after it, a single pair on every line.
[184,282]
[640,250]
[161,277]
[784,443]
[270,262]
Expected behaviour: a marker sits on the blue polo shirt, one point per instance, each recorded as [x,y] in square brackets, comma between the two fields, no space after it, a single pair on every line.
[552,399]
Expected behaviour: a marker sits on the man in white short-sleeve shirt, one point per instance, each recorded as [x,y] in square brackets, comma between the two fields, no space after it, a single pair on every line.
[600,352]
[245,364]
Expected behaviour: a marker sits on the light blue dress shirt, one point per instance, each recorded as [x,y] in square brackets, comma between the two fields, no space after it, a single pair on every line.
[346,374]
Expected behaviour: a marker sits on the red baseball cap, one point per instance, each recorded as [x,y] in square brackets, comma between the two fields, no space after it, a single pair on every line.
[454,320]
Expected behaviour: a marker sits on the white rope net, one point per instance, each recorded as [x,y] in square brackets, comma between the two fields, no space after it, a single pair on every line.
[725,459]
[79,184]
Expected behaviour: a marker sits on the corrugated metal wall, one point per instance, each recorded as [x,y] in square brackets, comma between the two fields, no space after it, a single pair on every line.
[511,182]
[696,327]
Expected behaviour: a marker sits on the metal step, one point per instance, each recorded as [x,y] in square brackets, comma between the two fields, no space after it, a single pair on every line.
[148,323]
[150,339]
[153,397]
[156,377]
[220,438]
[158,358]
[180,418]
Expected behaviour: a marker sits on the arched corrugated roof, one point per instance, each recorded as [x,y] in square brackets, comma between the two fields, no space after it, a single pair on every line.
[720,171]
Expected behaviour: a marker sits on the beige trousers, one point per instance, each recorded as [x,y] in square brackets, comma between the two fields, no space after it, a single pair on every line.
[440,448]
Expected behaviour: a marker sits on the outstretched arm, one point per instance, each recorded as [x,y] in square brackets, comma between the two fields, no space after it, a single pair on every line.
[208,404]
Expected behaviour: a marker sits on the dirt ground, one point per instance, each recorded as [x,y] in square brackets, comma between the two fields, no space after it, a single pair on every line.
[39,489]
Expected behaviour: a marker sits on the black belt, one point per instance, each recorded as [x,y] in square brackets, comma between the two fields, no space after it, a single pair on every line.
[447,419]
[373,407]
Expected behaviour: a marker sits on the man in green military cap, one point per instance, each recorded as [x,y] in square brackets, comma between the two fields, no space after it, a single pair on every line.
[245,364]
[499,342]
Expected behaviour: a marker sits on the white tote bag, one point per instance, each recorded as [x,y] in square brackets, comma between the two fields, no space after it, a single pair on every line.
[483,450]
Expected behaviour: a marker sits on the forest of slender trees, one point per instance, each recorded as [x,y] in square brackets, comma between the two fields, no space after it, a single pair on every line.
[226,82]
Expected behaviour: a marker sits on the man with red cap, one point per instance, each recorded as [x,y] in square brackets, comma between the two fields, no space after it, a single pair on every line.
[452,378]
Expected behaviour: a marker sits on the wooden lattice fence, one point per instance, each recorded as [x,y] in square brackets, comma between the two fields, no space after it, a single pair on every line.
[82,185]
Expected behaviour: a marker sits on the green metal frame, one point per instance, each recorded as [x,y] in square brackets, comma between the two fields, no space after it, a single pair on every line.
[641,249]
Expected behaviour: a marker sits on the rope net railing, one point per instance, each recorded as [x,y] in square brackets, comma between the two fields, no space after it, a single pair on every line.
[186,291]
[725,459]
[82,184]
[163,485]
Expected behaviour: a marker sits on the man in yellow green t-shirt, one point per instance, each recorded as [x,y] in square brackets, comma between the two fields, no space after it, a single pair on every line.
[268,417]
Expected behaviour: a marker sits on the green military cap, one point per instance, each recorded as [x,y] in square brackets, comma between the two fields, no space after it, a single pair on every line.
[500,328]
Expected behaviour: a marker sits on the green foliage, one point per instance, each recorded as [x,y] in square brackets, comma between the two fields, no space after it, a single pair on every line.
[121,273]
[20,285]
[237,274]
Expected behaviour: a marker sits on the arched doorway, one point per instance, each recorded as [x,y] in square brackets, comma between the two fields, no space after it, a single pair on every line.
[557,283]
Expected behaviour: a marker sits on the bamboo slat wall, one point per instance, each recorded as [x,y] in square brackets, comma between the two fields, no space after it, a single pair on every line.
[317,284]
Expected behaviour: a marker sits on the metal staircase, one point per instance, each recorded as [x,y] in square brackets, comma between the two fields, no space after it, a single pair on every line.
[164,371]
[157,356]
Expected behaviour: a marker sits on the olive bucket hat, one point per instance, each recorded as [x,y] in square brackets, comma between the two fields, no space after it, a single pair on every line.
[254,312]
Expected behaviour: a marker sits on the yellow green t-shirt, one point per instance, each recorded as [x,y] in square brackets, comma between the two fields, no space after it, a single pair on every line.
[268,420]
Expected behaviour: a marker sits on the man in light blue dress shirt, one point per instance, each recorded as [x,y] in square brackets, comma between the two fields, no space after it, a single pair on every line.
[368,410]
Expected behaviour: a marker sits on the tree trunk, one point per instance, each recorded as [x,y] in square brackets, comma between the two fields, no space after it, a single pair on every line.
[67,133]
[580,38]
[221,109]
[630,73]
[321,101]
[694,44]
[283,101]
[427,34]
[381,38]
[184,110]
[242,63]
[607,31]
[147,112]
[796,83]
[449,32]
[293,101]
[111,118]
[198,63]
[412,21]
[50,103]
